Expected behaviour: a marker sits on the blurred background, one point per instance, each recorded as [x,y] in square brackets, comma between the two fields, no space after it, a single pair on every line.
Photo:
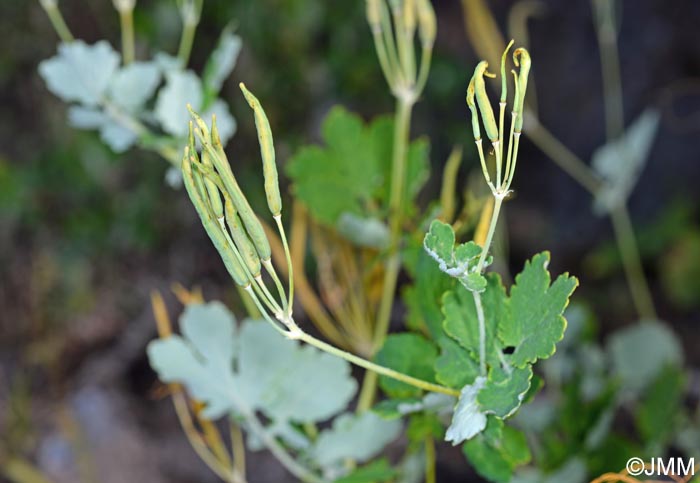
[86,234]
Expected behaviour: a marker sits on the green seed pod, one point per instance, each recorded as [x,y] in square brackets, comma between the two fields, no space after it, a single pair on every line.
[409,17]
[192,180]
[521,57]
[472,107]
[482,100]
[223,168]
[427,24]
[504,78]
[374,15]
[213,192]
[240,238]
[267,152]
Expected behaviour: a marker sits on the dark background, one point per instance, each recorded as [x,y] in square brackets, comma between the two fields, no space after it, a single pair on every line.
[85,235]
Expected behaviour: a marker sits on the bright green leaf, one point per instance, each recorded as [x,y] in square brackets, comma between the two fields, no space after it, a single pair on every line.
[410,354]
[535,323]
[377,471]
[504,392]
[455,367]
[497,451]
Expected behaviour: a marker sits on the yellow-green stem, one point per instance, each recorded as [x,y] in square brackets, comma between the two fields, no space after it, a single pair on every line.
[126,17]
[402,124]
[375,368]
[430,475]
[183,52]
[627,244]
[59,24]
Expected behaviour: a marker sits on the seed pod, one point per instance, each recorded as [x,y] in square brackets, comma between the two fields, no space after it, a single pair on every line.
[504,78]
[240,238]
[223,168]
[521,57]
[409,17]
[191,179]
[212,191]
[472,107]
[267,152]
[482,100]
[374,15]
[427,24]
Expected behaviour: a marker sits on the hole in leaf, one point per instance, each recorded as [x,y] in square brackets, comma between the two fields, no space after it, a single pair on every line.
[509,350]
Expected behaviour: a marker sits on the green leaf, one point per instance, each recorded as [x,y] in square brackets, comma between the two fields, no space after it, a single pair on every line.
[221,62]
[496,452]
[536,323]
[640,352]
[461,322]
[424,425]
[459,262]
[377,471]
[80,72]
[181,88]
[432,402]
[133,85]
[349,174]
[410,354]
[659,412]
[359,437]
[269,369]
[620,162]
[454,367]
[504,392]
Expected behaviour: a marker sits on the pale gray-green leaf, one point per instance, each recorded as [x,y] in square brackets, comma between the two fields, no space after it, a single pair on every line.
[221,62]
[116,136]
[181,88]
[225,122]
[364,232]
[80,72]
[134,84]
[468,419]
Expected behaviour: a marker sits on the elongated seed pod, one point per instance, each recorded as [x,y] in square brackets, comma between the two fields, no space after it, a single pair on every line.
[521,57]
[212,191]
[240,238]
[427,24]
[504,78]
[223,168]
[211,226]
[409,17]
[267,152]
[374,15]
[482,99]
[475,113]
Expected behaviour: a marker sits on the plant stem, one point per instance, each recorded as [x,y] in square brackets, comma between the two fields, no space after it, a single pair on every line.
[402,124]
[183,52]
[430,476]
[126,17]
[482,331]
[610,66]
[498,201]
[237,449]
[627,244]
[375,368]
[59,24]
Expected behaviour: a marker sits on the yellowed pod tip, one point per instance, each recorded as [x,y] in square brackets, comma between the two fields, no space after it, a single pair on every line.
[240,238]
[214,197]
[267,152]
[521,58]
[409,16]
[191,179]
[374,16]
[427,23]
[201,125]
[482,100]
[472,107]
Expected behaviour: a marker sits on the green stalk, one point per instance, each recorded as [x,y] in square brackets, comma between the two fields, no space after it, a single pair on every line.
[402,124]
[430,475]
[627,244]
[126,18]
[56,18]
[371,366]
[186,40]
[498,201]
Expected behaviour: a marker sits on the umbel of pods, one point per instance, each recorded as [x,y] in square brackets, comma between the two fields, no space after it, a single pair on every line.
[480,106]
[238,235]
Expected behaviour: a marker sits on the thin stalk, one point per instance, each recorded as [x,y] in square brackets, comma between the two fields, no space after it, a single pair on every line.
[627,244]
[126,18]
[56,19]
[498,201]
[482,331]
[237,449]
[610,65]
[270,269]
[248,303]
[186,40]
[288,256]
[294,467]
[402,124]
[376,368]
[430,475]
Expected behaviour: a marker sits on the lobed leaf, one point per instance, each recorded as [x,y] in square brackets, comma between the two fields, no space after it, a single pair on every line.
[497,451]
[410,354]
